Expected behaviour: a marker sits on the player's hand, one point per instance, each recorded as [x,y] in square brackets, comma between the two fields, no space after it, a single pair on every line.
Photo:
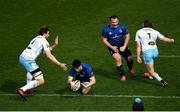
[83,85]
[71,84]
[122,48]
[172,40]
[139,60]
[56,40]
[115,49]
[63,66]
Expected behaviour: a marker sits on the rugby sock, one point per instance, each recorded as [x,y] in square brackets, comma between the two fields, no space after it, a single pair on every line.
[157,77]
[30,85]
[120,70]
[29,77]
[130,64]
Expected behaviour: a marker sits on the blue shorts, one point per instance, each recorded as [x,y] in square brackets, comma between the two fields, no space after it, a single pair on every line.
[29,65]
[150,55]
[124,54]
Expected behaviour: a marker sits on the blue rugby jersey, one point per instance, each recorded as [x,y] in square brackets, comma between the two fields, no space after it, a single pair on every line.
[84,75]
[115,36]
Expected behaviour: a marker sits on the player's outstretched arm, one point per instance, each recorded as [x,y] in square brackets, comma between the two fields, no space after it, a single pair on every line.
[166,39]
[138,50]
[54,60]
[55,43]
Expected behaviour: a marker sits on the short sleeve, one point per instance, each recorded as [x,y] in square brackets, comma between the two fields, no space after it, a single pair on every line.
[45,46]
[104,33]
[125,30]
[72,72]
[159,35]
[137,37]
[90,71]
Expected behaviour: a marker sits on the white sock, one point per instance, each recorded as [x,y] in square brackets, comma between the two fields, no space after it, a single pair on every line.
[157,77]
[29,77]
[30,85]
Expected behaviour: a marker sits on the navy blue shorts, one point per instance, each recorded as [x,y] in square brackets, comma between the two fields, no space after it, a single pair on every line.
[124,54]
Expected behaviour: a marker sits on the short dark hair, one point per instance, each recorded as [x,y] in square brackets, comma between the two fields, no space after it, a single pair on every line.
[113,17]
[43,29]
[148,23]
[76,63]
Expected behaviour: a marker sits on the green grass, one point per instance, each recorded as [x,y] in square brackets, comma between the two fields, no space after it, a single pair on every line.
[78,24]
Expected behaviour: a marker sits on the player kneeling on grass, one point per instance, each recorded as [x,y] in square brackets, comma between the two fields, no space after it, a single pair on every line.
[38,45]
[81,77]
[146,42]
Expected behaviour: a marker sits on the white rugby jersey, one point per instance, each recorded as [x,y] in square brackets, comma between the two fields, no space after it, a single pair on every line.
[37,45]
[147,37]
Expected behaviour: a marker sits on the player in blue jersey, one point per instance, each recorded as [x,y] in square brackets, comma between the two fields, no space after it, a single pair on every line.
[82,72]
[116,37]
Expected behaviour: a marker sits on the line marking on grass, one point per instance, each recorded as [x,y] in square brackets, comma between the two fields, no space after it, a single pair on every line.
[165,56]
[100,96]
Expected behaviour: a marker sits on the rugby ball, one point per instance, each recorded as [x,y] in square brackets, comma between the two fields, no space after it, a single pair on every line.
[75,85]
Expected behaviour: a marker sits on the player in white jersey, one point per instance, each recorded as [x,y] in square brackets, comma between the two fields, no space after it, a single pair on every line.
[28,57]
[146,42]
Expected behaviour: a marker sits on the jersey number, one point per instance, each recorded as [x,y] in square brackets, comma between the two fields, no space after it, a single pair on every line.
[151,42]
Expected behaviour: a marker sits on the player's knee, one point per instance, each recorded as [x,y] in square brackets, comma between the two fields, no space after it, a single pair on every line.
[118,62]
[41,81]
[117,58]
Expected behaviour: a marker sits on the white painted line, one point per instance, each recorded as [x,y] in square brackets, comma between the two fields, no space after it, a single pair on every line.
[165,56]
[100,96]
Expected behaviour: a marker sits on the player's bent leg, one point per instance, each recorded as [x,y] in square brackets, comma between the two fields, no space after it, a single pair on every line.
[117,59]
[40,78]
[129,61]
[120,70]
[150,68]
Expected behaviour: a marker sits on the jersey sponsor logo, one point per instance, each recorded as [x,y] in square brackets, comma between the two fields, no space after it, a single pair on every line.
[28,47]
[116,36]
[151,43]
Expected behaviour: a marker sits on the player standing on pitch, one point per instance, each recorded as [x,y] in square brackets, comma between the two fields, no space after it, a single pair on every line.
[82,72]
[37,45]
[146,42]
[116,37]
